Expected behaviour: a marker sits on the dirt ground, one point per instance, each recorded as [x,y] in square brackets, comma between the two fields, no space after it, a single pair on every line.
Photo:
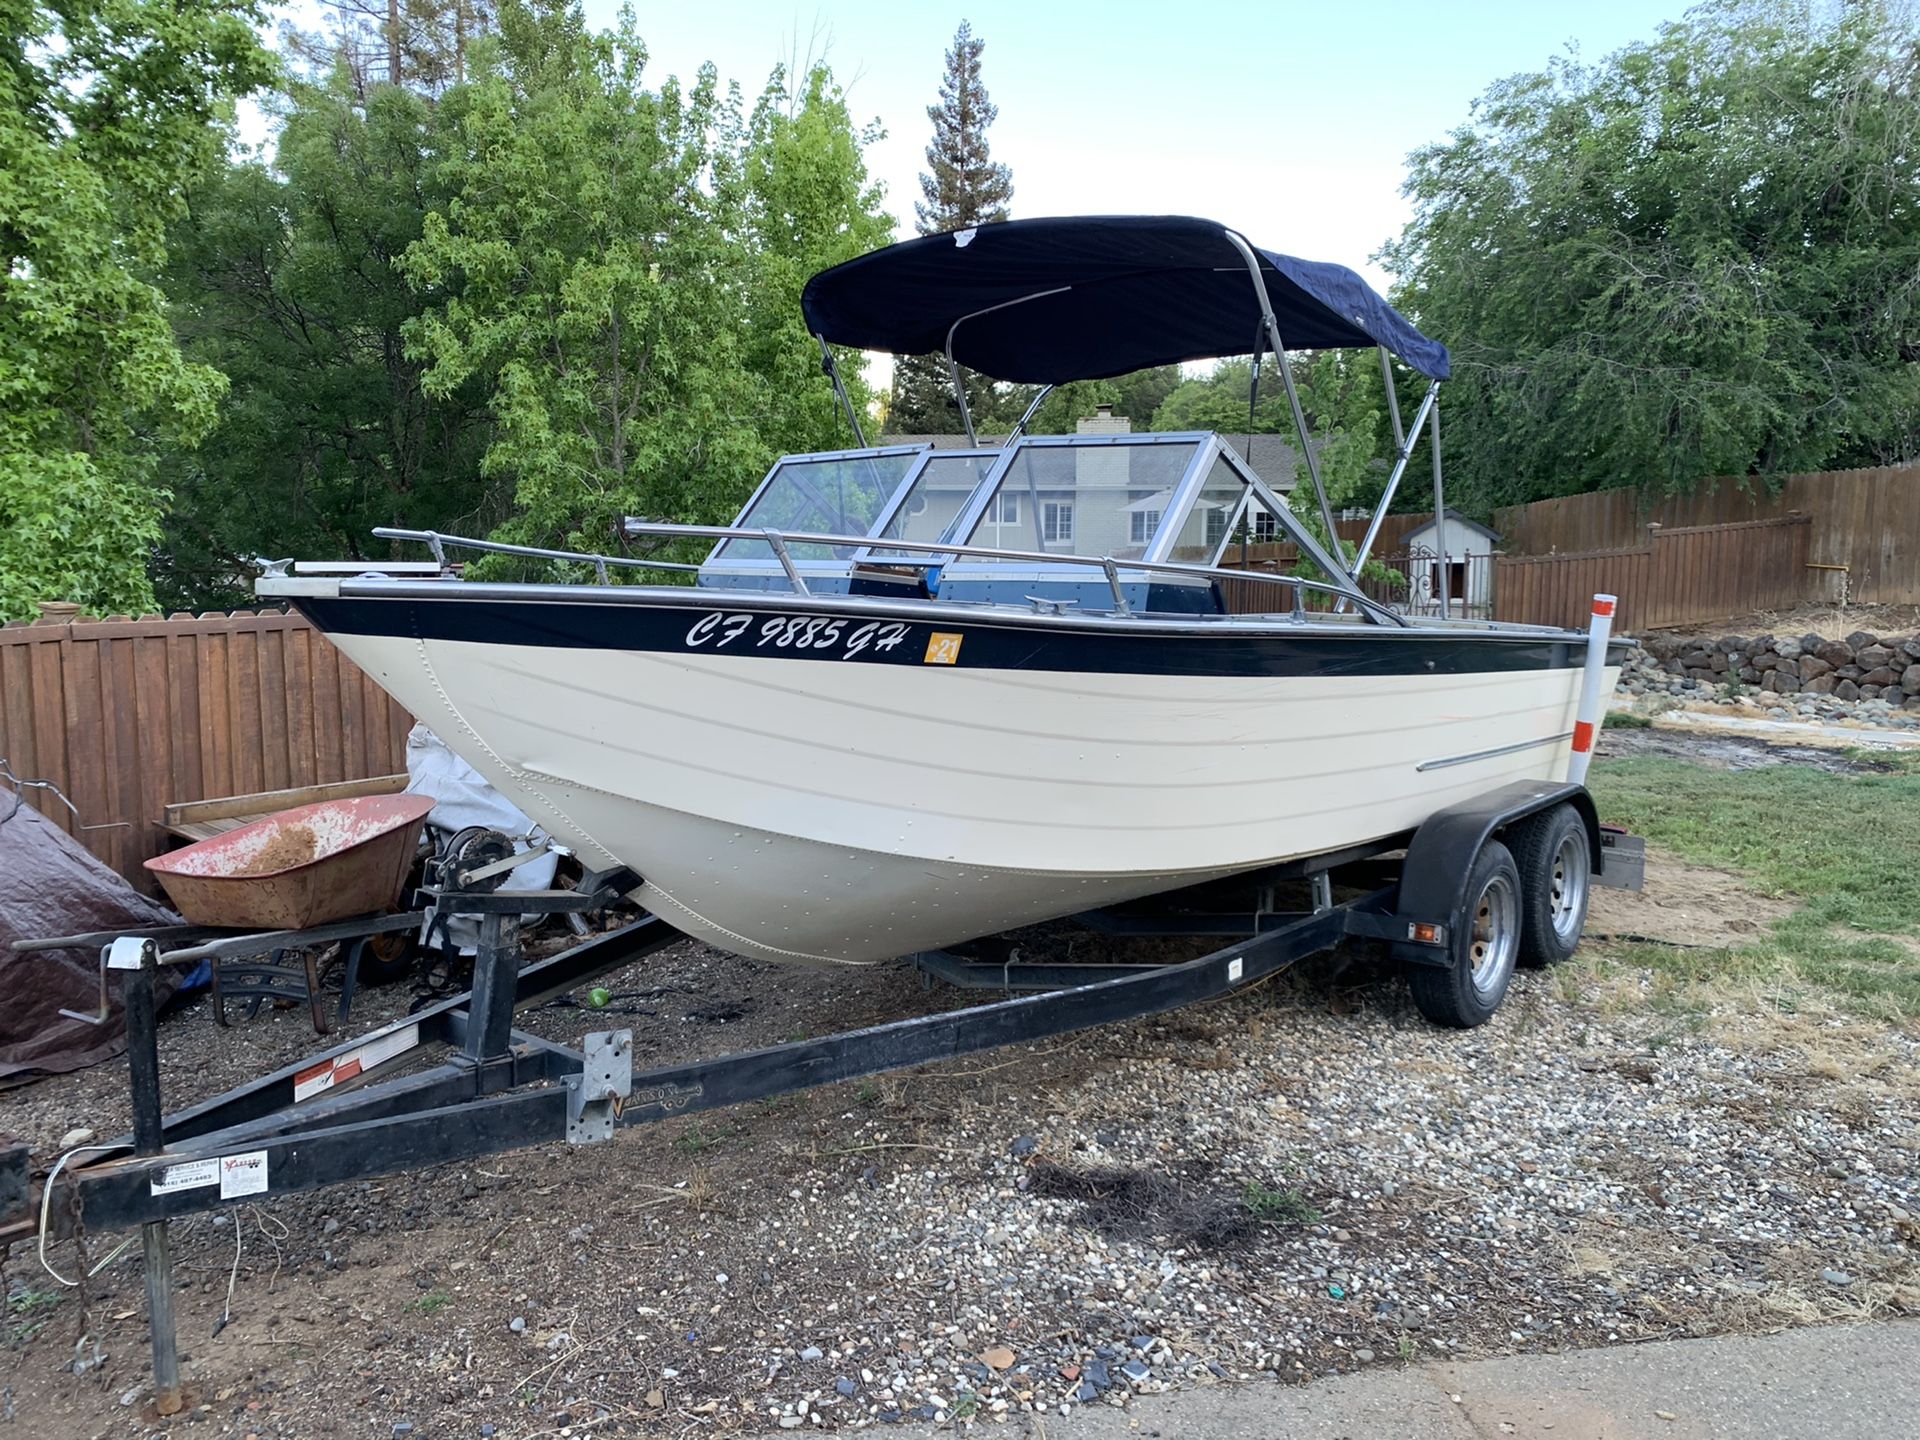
[838,1257]
[1832,622]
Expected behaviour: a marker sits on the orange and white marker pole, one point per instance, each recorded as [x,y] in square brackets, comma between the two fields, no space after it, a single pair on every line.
[1586,725]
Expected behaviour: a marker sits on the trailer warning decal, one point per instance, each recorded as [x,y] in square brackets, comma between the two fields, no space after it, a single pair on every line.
[190,1176]
[319,1078]
[243,1174]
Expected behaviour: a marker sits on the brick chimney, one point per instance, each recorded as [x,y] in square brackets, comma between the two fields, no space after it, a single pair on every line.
[1104,422]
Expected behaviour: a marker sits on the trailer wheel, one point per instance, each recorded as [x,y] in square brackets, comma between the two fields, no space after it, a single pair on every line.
[1468,991]
[388,957]
[1556,877]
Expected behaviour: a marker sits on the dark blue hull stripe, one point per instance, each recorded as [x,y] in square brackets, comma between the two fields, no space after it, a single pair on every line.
[821,633]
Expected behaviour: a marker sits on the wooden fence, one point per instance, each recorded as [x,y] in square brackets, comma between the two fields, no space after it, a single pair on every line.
[1393,529]
[1679,576]
[1867,521]
[128,716]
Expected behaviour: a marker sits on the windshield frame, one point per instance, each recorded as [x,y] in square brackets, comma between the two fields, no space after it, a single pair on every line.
[717,562]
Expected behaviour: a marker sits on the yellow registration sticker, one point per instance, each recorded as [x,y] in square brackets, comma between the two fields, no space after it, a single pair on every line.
[943,649]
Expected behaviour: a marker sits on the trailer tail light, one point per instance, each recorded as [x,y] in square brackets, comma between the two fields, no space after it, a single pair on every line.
[1423,933]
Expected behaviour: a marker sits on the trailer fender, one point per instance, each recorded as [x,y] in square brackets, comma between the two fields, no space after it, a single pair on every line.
[1433,880]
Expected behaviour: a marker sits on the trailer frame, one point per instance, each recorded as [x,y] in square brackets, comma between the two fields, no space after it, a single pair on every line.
[343,1114]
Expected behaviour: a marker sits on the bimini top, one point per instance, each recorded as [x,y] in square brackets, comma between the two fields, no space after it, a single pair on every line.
[1049,301]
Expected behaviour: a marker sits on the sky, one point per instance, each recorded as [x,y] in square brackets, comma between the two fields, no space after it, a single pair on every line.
[1290,120]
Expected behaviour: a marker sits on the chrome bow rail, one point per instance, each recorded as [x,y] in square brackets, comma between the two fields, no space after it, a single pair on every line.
[935,552]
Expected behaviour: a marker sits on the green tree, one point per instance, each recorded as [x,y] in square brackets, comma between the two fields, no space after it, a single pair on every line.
[1136,396]
[1218,400]
[284,280]
[612,264]
[809,205]
[1696,258]
[108,108]
[420,45]
[961,186]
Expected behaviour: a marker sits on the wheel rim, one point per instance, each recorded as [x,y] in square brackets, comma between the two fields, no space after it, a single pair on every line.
[1496,931]
[1567,887]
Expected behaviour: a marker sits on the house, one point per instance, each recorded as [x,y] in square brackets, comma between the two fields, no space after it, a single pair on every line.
[1465,547]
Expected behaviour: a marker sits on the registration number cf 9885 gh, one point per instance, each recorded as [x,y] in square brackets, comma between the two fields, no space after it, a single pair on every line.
[841,639]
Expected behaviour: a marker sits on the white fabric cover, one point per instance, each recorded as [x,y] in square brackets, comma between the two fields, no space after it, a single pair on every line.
[462,797]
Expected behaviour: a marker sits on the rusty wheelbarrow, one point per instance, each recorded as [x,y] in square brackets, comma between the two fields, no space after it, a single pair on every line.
[300,868]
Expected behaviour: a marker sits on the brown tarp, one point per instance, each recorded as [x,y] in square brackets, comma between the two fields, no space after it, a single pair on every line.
[51,885]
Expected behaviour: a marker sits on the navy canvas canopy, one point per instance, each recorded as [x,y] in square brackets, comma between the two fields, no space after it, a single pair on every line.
[1048,301]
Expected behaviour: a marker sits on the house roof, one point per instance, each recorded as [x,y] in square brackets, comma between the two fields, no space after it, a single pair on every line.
[1457,518]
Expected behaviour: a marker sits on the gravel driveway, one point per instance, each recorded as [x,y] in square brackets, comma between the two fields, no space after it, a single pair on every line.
[1292,1183]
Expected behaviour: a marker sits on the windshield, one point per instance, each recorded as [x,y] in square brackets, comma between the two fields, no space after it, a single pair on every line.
[940,492]
[840,496]
[1084,499]
[1205,530]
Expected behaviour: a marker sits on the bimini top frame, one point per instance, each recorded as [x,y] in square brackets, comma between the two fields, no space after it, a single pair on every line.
[1047,301]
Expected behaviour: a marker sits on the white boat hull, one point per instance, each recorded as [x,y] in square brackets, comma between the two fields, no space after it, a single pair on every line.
[797,810]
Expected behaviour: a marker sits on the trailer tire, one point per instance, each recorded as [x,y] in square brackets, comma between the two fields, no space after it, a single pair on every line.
[1556,878]
[388,957]
[1484,945]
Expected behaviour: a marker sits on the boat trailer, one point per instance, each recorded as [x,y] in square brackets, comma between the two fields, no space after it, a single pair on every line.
[332,1118]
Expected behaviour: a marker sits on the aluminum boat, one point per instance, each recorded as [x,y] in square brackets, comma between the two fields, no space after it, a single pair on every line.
[914,696]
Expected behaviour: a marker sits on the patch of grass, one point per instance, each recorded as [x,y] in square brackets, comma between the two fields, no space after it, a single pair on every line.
[1898,762]
[430,1302]
[696,1138]
[867,1094]
[966,1407]
[1625,720]
[1285,1206]
[24,1305]
[1844,845]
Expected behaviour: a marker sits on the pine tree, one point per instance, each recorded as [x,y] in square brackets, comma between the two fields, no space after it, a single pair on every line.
[421,44]
[961,187]
[965,186]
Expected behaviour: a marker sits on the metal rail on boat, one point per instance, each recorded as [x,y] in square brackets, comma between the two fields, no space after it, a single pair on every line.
[936,553]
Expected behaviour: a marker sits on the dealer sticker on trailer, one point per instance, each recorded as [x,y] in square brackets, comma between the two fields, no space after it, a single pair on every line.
[236,1175]
[317,1079]
[190,1176]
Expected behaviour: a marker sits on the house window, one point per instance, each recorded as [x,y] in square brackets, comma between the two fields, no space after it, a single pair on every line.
[1056,521]
[1142,525]
[1265,527]
[1006,509]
